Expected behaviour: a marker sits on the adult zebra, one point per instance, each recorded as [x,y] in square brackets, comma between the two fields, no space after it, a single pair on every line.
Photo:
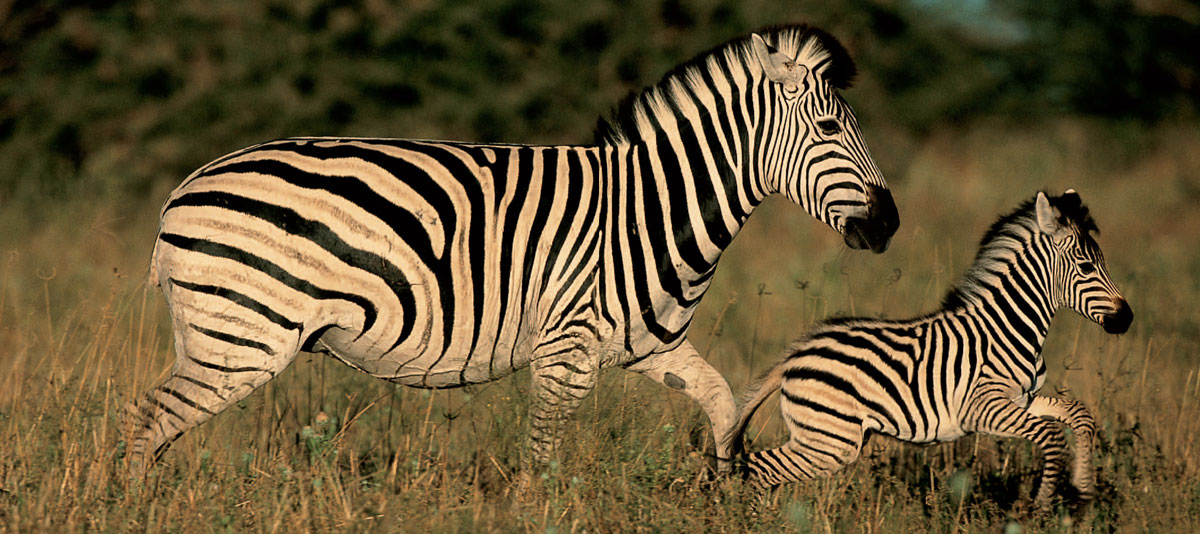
[973,366]
[441,264]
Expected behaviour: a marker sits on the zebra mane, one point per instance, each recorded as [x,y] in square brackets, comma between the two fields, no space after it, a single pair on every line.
[1010,232]
[813,46]
[1074,212]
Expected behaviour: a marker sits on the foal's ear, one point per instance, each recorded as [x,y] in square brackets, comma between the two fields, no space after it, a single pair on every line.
[1047,216]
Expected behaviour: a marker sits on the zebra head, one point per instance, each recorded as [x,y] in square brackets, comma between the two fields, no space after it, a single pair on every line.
[1079,275]
[812,150]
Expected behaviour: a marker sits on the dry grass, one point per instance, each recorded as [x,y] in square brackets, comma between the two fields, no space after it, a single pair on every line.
[324,448]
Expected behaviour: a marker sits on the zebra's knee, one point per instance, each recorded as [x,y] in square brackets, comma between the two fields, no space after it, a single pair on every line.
[1055,439]
[1081,421]
[760,494]
[1053,444]
[1084,483]
[566,379]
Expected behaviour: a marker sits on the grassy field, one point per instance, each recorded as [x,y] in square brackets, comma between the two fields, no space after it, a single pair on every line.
[324,448]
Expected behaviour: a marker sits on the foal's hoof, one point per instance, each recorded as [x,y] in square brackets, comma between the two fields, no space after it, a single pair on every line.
[1026,508]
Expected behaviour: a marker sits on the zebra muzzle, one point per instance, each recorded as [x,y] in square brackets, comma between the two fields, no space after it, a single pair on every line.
[1118,322]
[876,230]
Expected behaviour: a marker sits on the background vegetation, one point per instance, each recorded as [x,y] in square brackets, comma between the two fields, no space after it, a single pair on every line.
[969,107]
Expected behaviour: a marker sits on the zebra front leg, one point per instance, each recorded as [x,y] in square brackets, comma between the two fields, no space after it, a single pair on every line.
[560,382]
[683,369]
[1083,427]
[993,413]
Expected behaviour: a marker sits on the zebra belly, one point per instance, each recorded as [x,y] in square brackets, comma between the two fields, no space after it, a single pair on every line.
[933,430]
[364,335]
[949,431]
[435,367]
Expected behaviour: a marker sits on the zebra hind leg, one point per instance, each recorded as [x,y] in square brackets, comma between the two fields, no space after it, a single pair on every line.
[816,451]
[682,369]
[219,360]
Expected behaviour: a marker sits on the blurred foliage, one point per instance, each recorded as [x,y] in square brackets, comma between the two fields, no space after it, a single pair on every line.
[968,106]
[117,98]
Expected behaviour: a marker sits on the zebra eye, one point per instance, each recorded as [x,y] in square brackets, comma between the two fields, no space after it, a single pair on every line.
[829,127]
[1087,267]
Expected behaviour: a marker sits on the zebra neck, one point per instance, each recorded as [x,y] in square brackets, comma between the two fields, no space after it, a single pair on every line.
[1009,291]
[687,198]
[668,226]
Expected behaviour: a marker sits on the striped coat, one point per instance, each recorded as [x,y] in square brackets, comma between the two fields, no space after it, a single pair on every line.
[440,264]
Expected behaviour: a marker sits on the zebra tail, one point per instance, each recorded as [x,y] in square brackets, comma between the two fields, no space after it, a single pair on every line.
[152,275]
[751,400]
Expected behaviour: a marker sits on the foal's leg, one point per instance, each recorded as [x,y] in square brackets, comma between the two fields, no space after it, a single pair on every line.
[994,413]
[823,441]
[1083,426]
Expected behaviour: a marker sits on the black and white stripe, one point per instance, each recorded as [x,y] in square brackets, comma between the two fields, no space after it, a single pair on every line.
[440,264]
[973,366]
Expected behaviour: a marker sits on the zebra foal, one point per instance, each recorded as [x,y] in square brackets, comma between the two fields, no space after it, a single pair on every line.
[438,264]
[975,365]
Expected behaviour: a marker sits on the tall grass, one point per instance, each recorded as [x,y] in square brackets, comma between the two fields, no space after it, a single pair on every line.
[324,448]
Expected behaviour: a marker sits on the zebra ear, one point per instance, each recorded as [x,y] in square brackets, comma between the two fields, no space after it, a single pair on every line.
[778,66]
[1047,216]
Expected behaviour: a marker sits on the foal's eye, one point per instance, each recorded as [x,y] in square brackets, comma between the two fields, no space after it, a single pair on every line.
[829,127]
[1087,267]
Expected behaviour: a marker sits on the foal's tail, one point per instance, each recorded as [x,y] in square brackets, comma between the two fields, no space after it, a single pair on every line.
[751,400]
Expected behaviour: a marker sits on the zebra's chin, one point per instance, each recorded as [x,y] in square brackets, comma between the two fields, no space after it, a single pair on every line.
[859,235]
